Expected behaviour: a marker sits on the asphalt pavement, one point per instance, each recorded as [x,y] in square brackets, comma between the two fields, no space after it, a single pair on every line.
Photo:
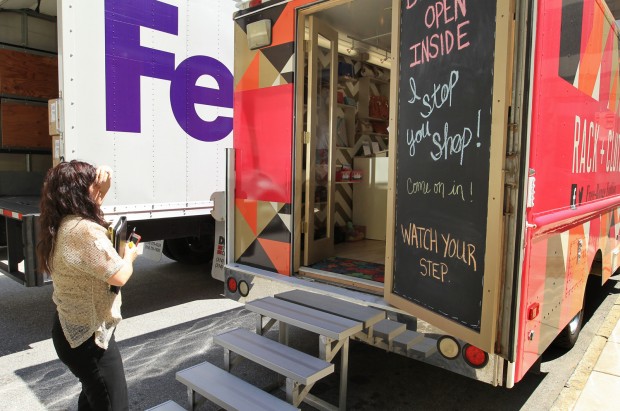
[171,312]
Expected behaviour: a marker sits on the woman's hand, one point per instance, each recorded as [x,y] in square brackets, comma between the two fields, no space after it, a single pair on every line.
[131,252]
[102,183]
[122,276]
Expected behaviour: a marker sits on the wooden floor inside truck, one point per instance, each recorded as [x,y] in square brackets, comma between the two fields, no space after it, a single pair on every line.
[370,251]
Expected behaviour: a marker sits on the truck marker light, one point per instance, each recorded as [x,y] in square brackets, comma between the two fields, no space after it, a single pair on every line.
[244,288]
[448,347]
[231,283]
[532,311]
[474,356]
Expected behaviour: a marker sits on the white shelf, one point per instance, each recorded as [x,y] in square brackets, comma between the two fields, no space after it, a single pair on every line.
[385,120]
[354,79]
[378,80]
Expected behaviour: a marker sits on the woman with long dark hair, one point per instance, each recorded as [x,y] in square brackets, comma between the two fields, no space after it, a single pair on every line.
[86,271]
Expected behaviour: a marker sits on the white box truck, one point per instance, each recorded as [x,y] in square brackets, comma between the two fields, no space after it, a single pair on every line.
[144,87]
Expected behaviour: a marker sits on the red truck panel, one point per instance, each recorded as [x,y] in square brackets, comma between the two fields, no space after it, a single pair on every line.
[575,160]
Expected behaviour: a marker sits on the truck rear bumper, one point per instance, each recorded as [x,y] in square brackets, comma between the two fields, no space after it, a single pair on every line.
[18,248]
[253,283]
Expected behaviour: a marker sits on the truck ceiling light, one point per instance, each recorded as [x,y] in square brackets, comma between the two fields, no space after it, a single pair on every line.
[474,356]
[231,283]
[244,288]
[448,347]
[259,34]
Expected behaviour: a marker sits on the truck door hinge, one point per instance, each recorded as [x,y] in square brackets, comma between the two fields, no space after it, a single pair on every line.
[306,137]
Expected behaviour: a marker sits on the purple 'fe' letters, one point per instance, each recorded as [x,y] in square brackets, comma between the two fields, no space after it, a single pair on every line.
[126,61]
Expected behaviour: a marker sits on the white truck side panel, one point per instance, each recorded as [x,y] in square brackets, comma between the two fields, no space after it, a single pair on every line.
[161,167]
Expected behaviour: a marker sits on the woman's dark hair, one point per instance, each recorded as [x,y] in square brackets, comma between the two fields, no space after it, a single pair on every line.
[66,191]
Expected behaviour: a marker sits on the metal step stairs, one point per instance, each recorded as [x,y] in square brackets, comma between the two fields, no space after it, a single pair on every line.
[300,370]
[335,321]
[378,330]
[226,390]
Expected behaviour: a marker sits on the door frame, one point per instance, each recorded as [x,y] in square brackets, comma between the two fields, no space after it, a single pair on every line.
[319,249]
[299,176]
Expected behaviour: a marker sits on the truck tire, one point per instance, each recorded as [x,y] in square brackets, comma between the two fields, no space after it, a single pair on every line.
[192,250]
[568,336]
[189,250]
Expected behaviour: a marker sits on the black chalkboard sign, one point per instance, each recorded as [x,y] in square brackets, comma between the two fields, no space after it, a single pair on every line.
[443,153]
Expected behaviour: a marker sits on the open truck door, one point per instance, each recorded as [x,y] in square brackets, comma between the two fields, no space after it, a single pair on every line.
[445,220]
[319,138]
[497,113]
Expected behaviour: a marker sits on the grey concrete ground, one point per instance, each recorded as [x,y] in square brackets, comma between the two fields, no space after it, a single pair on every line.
[594,384]
[169,313]
[172,312]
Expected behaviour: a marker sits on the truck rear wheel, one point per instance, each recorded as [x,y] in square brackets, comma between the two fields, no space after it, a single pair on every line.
[192,250]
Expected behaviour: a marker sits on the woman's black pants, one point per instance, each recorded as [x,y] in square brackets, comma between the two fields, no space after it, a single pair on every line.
[100,371]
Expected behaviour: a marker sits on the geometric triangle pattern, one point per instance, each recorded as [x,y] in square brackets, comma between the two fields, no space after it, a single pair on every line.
[276,230]
[263,228]
[268,246]
[344,204]
[250,80]
[284,27]
[555,273]
[267,72]
[248,209]
[246,63]
[587,44]
[270,13]
[256,256]
[557,282]
[278,253]
[265,212]
[280,57]
[271,65]
[244,233]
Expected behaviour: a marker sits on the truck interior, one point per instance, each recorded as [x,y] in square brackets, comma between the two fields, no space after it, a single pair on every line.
[28,49]
[344,142]
[343,94]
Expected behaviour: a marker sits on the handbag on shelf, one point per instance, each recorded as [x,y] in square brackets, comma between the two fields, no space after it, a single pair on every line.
[340,95]
[379,107]
[380,127]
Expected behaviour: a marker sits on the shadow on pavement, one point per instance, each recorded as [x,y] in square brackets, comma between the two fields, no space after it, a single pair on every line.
[151,362]
[26,314]
[377,380]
